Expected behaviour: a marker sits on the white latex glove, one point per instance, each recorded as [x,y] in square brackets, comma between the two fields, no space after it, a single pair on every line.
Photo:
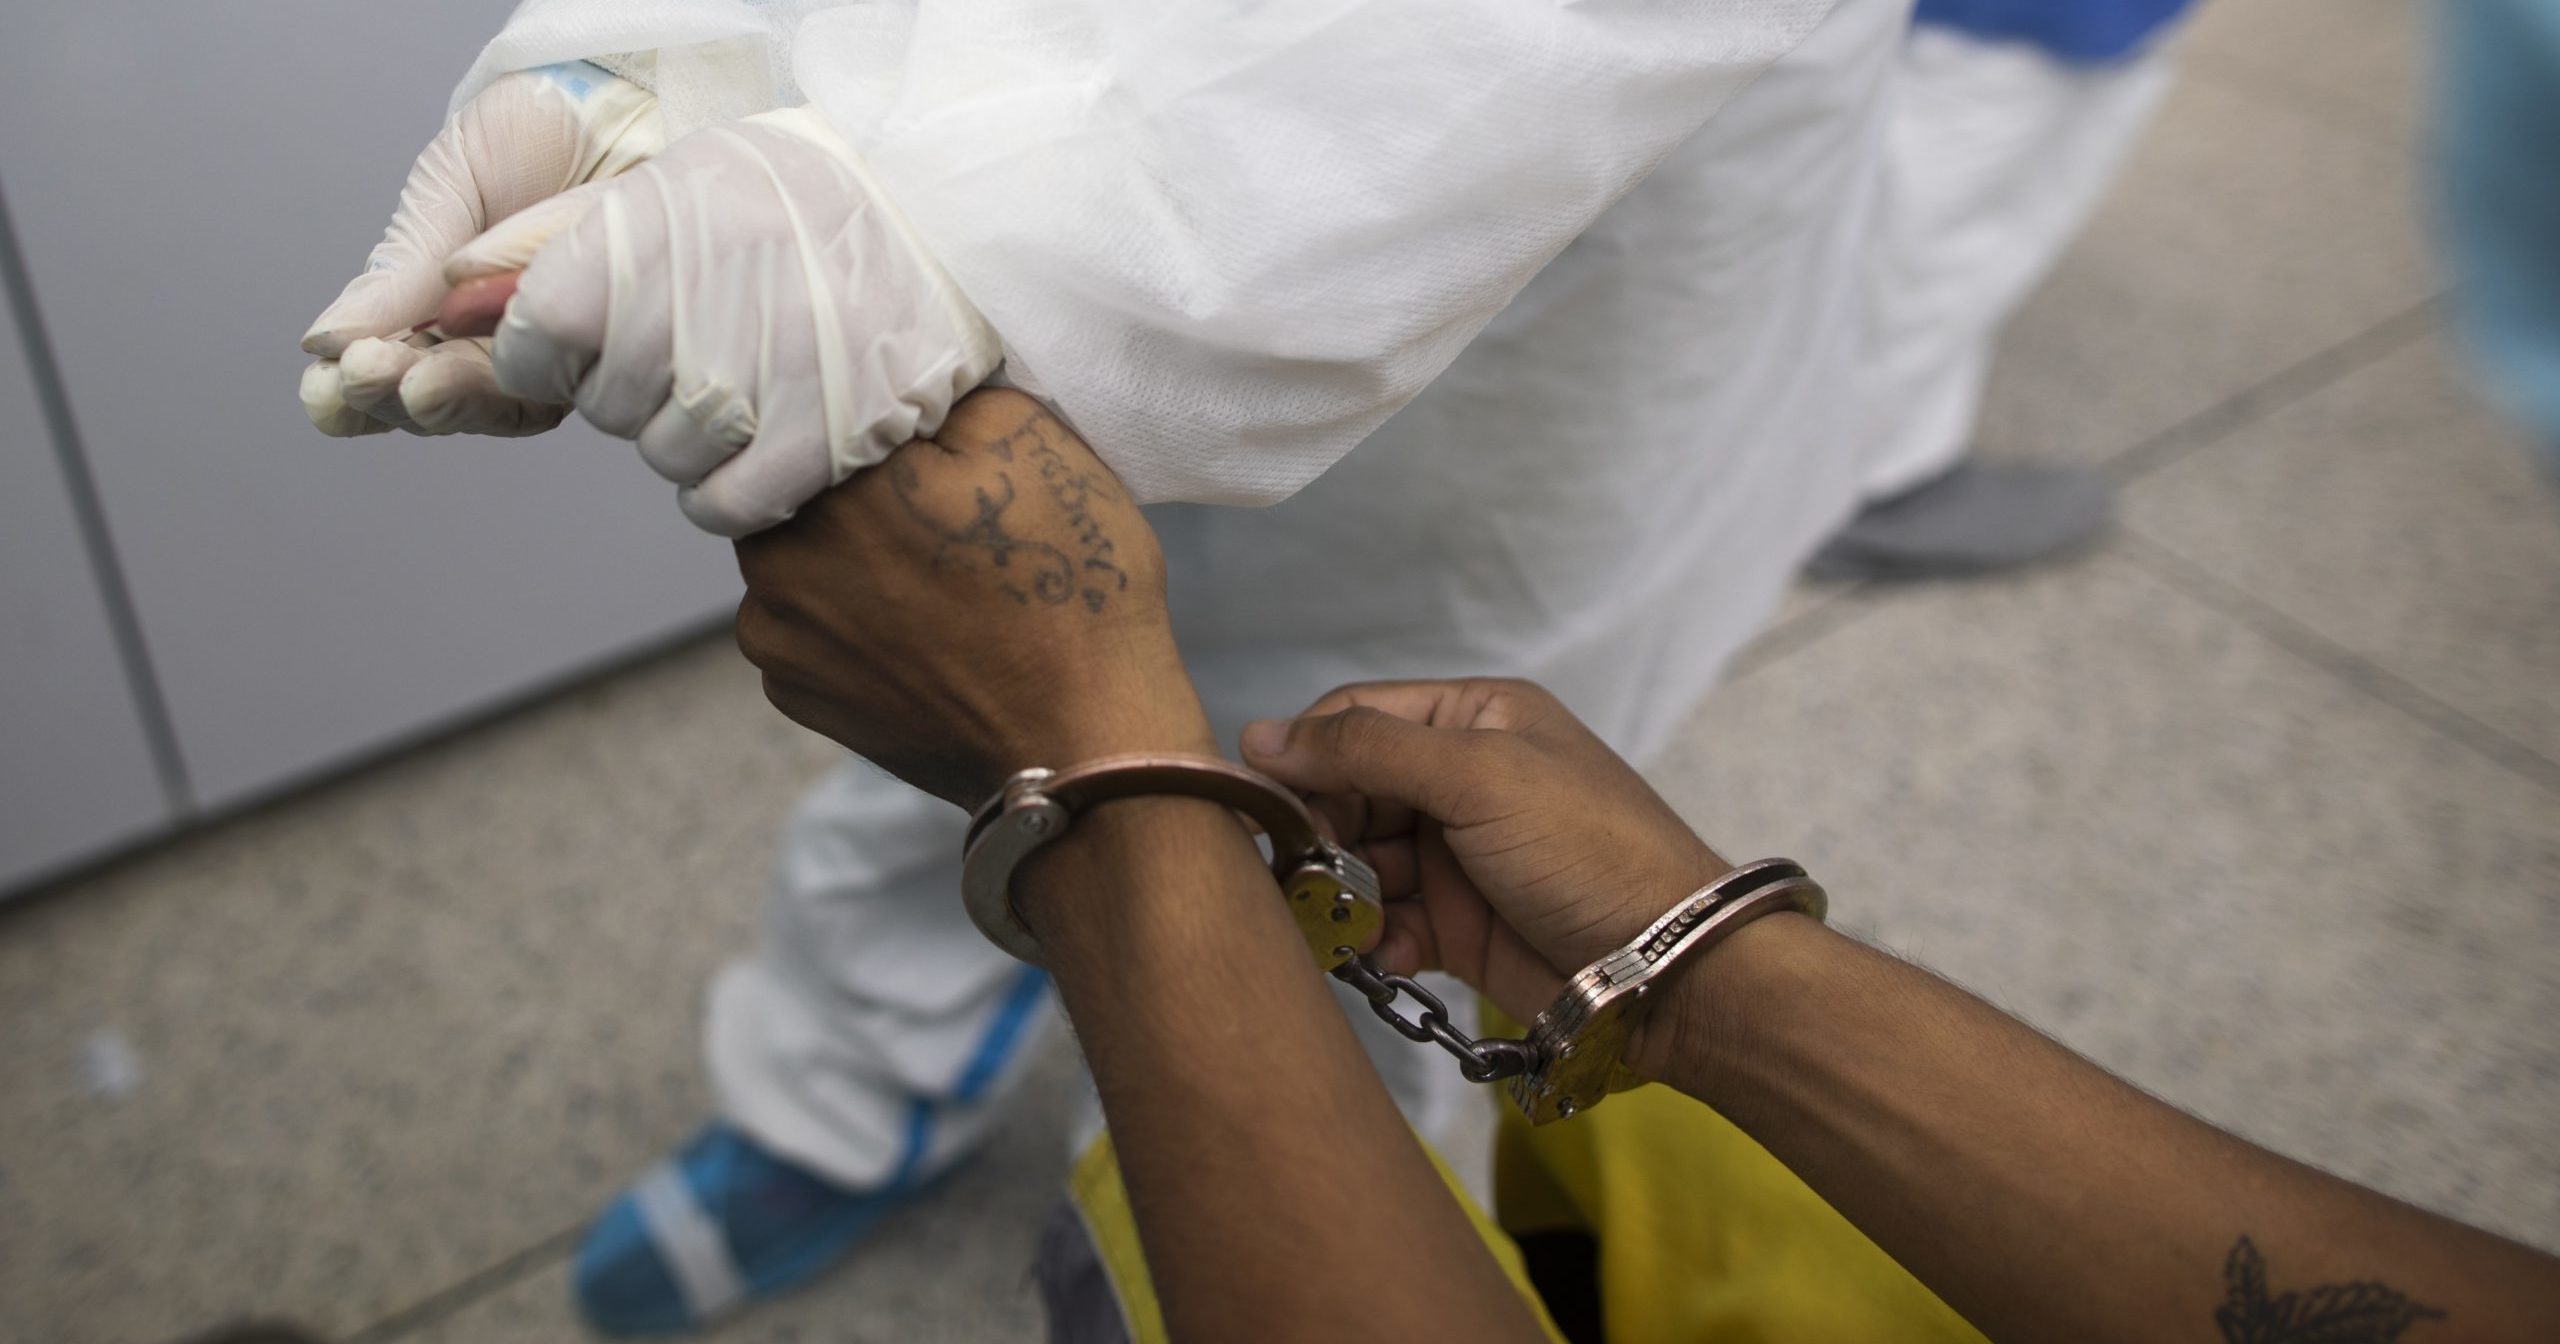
[752,310]
[507,156]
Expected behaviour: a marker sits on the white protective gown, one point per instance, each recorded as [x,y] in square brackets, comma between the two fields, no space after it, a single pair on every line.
[1229,256]
[1995,154]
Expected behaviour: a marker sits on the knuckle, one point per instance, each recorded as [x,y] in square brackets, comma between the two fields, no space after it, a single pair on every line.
[712,505]
[613,416]
[758,561]
[1359,729]
[1367,695]
[1501,751]
[762,487]
[558,294]
[1512,703]
[757,631]
[792,704]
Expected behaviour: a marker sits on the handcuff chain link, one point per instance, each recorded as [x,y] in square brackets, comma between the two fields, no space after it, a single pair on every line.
[1479,1061]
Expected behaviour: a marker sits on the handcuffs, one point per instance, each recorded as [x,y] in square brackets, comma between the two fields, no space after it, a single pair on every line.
[1572,1058]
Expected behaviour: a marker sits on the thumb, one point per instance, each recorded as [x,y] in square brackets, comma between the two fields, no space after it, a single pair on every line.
[1378,755]
[518,145]
[509,245]
[440,210]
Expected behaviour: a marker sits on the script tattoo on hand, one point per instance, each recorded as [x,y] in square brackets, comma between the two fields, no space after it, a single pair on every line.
[1034,571]
[2361,1312]
[1076,492]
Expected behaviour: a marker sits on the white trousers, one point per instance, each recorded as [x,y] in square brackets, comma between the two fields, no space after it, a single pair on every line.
[1995,154]
[1607,492]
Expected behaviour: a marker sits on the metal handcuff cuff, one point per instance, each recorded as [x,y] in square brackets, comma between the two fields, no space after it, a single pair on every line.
[1571,1059]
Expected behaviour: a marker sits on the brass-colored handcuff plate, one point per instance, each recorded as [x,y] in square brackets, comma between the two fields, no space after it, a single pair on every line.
[1332,894]
[1577,1046]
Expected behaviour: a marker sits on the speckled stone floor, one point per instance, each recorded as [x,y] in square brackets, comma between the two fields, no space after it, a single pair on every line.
[2259,805]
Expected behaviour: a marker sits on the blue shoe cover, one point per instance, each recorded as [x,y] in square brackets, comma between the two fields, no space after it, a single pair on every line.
[720,1224]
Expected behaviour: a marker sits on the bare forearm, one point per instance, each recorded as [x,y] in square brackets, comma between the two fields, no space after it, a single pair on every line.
[1278,1193]
[2040,1196]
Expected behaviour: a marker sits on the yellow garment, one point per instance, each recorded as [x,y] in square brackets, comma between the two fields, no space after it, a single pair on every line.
[1104,1204]
[1704,1238]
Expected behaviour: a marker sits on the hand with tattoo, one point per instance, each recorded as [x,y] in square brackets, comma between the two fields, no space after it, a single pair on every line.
[984,600]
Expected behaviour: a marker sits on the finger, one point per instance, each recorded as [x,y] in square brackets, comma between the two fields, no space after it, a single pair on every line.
[1357,816]
[555,324]
[1345,816]
[324,400]
[1408,945]
[452,389]
[475,307]
[428,387]
[1393,862]
[369,375]
[1472,941]
[1523,707]
[588,312]
[1426,702]
[536,363]
[624,233]
[764,484]
[1381,833]
[692,435]
[1364,750]
[1438,703]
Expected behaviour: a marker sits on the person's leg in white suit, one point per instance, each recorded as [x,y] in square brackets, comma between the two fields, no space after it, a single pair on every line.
[1607,492]
[1996,153]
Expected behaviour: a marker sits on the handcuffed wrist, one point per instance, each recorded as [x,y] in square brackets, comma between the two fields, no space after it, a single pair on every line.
[1707,1016]
[1131,864]
[1164,729]
[1580,1049]
[1331,895]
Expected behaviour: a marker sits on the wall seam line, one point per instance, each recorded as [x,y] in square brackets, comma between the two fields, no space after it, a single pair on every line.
[142,680]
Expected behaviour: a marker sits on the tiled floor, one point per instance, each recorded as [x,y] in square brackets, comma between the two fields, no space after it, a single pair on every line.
[2259,805]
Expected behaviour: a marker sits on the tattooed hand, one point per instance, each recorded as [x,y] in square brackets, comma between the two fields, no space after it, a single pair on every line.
[984,600]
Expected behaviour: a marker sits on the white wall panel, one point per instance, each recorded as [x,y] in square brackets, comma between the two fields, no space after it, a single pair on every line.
[76,774]
[191,184]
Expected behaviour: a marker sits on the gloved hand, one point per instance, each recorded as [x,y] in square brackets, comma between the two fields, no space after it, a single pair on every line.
[505,160]
[751,309]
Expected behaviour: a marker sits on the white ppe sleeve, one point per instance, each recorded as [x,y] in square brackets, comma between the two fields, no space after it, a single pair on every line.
[1228,238]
